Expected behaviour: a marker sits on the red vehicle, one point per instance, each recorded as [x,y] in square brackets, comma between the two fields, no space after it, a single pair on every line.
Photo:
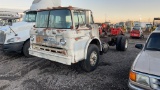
[103,30]
[136,32]
[114,37]
[116,31]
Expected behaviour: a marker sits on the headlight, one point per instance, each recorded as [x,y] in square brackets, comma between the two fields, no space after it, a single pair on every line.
[12,40]
[154,83]
[139,78]
[63,41]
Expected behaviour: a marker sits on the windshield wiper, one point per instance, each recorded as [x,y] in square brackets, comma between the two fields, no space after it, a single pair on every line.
[13,31]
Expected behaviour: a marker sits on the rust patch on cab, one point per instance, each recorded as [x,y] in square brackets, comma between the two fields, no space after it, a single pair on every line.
[59,31]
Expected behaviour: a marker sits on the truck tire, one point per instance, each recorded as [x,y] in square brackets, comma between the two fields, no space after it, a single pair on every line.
[105,47]
[124,43]
[118,42]
[91,63]
[25,48]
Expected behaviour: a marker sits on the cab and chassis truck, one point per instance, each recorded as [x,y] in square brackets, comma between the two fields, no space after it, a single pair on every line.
[69,35]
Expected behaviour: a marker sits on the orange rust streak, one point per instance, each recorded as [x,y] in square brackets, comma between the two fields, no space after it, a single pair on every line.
[60,31]
[84,29]
[77,38]
[49,29]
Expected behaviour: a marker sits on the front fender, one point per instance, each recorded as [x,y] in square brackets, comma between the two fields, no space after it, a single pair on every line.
[24,35]
[88,43]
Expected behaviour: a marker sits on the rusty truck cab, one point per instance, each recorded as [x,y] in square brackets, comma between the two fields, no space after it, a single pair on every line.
[64,34]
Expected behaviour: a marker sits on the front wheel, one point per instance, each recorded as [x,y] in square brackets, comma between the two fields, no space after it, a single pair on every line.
[91,63]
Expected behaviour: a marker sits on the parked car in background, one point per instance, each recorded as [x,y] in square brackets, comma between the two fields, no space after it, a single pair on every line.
[145,71]
[137,32]
[158,28]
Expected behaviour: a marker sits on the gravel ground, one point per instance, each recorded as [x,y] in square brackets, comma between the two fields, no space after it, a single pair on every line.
[20,73]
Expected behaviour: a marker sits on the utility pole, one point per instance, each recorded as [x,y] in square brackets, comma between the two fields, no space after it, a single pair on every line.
[105,17]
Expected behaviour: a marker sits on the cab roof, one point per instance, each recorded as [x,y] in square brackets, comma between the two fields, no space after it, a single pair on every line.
[69,7]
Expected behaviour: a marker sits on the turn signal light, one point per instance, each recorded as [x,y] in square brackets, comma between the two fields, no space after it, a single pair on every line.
[132,76]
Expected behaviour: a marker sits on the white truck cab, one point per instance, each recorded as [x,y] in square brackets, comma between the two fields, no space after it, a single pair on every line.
[16,37]
[66,35]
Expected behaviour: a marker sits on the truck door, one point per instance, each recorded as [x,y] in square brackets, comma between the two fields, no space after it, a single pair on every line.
[82,33]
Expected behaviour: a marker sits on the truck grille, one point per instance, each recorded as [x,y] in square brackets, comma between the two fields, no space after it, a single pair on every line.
[49,49]
[155,83]
[2,37]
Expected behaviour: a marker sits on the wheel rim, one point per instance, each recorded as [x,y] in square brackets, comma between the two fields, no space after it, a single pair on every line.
[126,44]
[93,58]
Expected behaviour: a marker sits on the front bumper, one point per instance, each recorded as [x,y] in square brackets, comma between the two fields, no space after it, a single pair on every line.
[134,35]
[135,86]
[67,60]
[17,47]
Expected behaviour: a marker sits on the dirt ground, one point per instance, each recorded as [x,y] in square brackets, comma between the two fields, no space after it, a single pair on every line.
[20,73]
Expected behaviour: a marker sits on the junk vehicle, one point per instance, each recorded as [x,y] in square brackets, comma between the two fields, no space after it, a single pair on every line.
[148,27]
[115,37]
[137,32]
[129,26]
[7,18]
[68,35]
[16,37]
[123,26]
[156,23]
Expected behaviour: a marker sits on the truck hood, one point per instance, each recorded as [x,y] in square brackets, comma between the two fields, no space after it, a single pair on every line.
[148,62]
[17,26]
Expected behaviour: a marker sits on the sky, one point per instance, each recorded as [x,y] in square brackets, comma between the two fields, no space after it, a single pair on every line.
[104,10]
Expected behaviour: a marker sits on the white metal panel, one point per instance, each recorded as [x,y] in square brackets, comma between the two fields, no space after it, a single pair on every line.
[44,4]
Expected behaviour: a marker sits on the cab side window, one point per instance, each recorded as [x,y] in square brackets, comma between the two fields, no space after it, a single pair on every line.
[80,18]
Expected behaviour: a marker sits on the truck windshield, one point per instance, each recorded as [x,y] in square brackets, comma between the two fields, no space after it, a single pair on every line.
[42,19]
[59,19]
[153,42]
[30,17]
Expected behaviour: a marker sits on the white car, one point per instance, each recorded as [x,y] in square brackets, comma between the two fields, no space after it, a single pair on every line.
[145,71]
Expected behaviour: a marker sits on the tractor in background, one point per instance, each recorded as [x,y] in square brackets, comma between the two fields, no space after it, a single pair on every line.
[148,27]
[156,23]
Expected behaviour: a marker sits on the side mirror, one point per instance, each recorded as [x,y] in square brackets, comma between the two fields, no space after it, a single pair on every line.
[139,46]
